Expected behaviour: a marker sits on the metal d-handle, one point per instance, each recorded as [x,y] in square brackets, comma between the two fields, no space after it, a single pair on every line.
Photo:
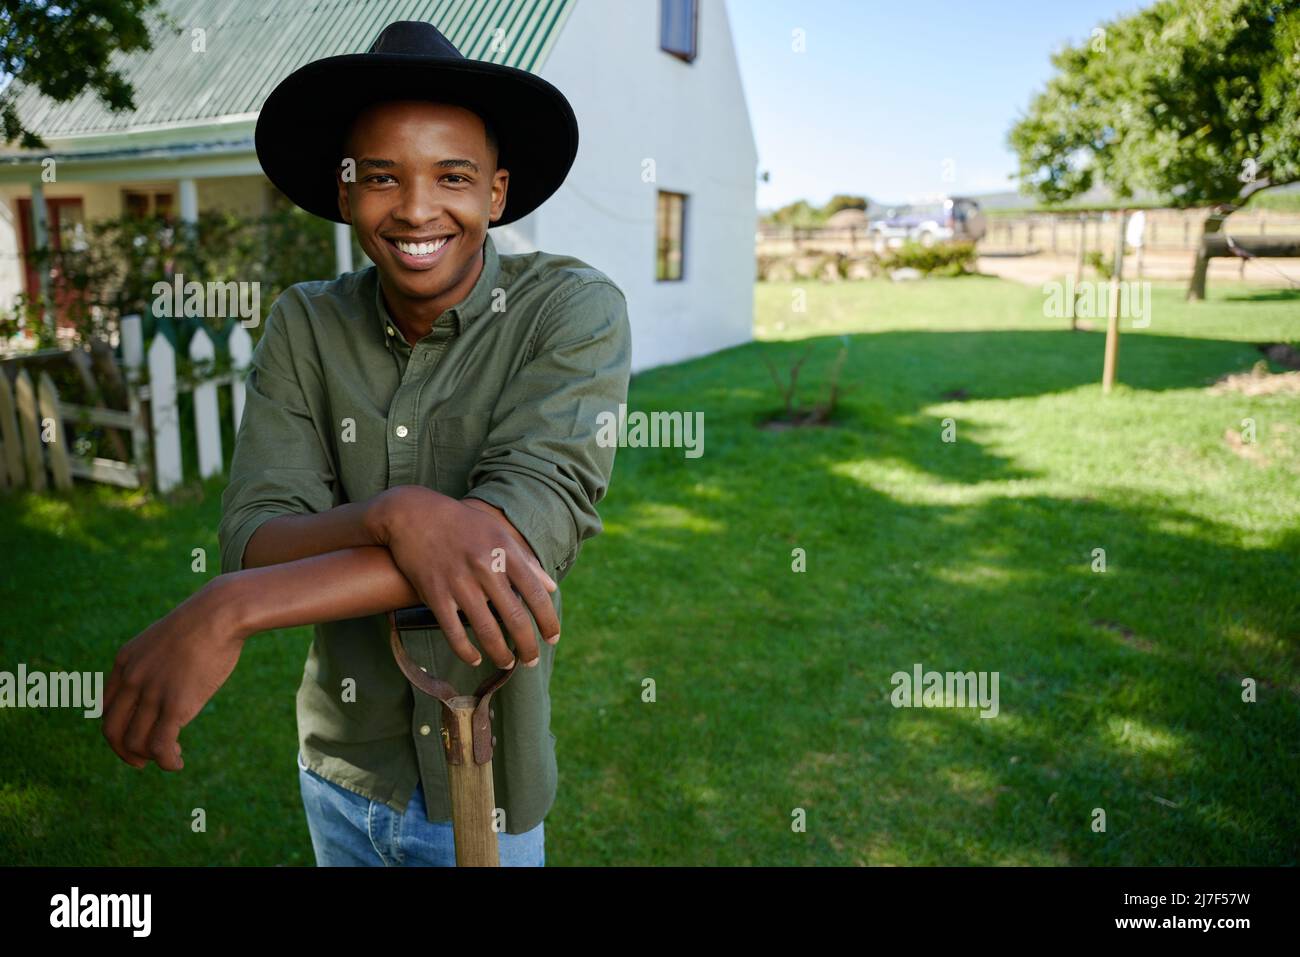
[453,703]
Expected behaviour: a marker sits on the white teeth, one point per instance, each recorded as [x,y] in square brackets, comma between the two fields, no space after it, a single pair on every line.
[421,249]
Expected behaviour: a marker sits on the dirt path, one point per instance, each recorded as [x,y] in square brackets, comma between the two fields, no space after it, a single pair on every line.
[1044,267]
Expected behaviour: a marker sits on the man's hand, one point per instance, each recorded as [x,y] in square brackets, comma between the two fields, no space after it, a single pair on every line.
[461,555]
[164,676]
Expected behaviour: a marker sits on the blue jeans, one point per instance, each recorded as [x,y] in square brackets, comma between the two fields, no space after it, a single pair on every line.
[348,830]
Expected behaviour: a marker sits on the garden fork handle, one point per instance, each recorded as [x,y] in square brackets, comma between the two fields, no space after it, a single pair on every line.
[466,729]
[420,616]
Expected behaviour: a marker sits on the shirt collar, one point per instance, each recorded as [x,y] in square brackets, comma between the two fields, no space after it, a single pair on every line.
[460,316]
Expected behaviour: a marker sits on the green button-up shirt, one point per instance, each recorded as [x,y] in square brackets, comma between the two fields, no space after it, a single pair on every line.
[500,401]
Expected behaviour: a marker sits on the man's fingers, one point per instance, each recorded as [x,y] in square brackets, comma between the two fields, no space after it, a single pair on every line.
[485,627]
[136,738]
[444,609]
[516,618]
[529,581]
[164,744]
[115,722]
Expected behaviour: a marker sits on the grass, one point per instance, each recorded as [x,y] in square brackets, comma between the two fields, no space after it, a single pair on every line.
[1119,690]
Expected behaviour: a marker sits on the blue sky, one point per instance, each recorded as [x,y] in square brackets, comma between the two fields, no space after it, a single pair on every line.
[886,92]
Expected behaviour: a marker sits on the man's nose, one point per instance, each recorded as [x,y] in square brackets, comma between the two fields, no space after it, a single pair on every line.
[418,200]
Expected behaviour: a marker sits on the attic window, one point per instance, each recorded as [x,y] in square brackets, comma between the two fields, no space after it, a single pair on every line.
[677,27]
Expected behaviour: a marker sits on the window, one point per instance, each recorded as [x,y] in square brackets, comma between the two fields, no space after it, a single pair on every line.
[677,27]
[143,203]
[670,230]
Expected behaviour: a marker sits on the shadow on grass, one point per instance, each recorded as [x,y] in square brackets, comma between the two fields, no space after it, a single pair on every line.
[1269,295]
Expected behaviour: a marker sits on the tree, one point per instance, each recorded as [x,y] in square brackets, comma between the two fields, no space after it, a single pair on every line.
[1194,101]
[841,201]
[63,48]
[798,213]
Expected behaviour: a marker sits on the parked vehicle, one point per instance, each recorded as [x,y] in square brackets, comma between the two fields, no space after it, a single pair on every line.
[955,219]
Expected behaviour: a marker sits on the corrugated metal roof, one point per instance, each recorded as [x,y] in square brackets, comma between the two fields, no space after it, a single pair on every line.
[251,45]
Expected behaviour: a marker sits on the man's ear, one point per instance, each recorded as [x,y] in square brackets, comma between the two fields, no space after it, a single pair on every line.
[345,207]
[500,184]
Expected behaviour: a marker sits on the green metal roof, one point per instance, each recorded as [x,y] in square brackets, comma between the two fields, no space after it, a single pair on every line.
[253,44]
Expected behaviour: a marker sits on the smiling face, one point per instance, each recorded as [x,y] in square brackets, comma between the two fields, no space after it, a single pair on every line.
[427,186]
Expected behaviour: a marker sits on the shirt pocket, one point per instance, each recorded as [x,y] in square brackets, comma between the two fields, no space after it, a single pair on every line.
[457,441]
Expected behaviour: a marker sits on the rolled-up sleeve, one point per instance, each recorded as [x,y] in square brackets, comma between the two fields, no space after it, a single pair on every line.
[281,463]
[546,463]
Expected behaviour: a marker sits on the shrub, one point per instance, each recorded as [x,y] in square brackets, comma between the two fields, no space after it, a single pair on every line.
[943,259]
[828,263]
[107,269]
[1105,265]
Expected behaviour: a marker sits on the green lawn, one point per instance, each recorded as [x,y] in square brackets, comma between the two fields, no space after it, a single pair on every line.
[1119,690]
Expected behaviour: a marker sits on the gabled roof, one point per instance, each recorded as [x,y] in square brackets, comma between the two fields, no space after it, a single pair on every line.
[253,44]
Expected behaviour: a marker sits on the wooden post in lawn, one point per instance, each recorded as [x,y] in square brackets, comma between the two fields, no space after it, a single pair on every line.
[1112,313]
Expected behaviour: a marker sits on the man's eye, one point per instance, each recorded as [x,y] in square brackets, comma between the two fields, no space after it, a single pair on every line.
[458,177]
[377,176]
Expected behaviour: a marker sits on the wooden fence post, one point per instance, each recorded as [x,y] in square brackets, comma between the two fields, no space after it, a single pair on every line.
[207,418]
[25,400]
[165,414]
[1111,359]
[133,358]
[52,420]
[240,344]
[11,441]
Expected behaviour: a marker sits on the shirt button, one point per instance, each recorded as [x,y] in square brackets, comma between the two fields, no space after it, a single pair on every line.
[425,729]
[390,331]
[401,431]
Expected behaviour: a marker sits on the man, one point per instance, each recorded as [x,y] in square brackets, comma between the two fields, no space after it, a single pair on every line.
[420,431]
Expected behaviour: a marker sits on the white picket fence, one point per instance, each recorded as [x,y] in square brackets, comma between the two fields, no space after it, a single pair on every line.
[32,435]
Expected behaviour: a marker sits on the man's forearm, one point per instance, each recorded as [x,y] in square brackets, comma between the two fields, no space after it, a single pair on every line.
[345,583]
[360,581]
[287,538]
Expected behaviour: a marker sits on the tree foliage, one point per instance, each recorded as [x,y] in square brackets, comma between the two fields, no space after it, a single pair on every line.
[844,201]
[1196,101]
[63,48]
[801,213]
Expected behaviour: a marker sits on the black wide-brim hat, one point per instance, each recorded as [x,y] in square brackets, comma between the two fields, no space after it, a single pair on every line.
[300,129]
